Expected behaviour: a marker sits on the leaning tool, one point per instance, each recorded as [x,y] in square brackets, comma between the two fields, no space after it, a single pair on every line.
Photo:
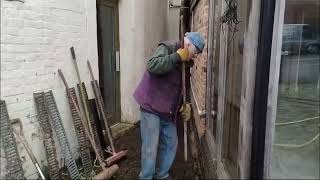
[19,134]
[115,156]
[83,98]
[106,172]
[185,125]
[85,107]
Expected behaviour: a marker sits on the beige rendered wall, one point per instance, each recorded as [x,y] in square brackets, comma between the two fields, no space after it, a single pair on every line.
[142,25]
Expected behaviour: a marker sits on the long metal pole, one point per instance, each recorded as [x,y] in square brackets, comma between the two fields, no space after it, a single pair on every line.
[84,103]
[101,107]
[30,153]
[185,125]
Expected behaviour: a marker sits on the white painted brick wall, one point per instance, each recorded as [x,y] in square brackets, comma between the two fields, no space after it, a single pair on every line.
[35,39]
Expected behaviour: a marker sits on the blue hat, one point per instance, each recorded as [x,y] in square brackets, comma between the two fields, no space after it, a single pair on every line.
[196,39]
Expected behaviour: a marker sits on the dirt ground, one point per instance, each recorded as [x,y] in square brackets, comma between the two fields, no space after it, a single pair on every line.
[130,167]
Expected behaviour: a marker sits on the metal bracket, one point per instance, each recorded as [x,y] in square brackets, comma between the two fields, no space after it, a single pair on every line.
[171,5]
[117,61]
[22,1]
[201,112]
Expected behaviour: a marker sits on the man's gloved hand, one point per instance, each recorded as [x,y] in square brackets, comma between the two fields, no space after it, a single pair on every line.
[185,112]
[183,53]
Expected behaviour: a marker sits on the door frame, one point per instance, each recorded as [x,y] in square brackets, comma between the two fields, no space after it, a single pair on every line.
[266,89]
[114,5]
[275,62]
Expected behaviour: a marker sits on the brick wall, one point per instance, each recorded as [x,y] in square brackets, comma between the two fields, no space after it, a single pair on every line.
[35,40]
[198,71]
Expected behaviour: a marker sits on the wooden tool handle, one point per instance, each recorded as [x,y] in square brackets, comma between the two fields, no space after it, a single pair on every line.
[63,79]
[75,63]
[28,149]
[72,53]
[90,70]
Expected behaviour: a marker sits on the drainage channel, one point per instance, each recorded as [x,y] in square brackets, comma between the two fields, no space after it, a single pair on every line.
[82,138]
[61,135]
[14,165]
[48,141]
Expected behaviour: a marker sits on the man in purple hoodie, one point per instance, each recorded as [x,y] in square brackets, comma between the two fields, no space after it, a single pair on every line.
[159,95]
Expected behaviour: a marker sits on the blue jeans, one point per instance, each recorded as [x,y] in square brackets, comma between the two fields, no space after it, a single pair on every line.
[159,140]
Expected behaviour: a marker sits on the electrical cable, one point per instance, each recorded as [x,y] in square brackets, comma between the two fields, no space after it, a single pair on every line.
[295,122]
[298,145]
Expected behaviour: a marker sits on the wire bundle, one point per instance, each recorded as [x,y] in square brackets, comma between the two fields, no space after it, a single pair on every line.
[230,16]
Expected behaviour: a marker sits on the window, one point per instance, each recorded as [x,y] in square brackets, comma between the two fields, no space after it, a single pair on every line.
[296,138]
[233,85]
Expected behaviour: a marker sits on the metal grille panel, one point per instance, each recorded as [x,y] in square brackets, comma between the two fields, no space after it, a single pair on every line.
[61,135]
[82,138]
[91,120]
[14,165]
[43,116]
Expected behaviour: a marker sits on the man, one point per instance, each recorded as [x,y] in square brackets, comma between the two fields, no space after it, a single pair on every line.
[159,96]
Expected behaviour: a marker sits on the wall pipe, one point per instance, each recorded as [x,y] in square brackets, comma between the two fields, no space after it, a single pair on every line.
[200,112]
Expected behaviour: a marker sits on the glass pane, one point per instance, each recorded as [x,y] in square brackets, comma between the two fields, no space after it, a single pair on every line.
[296,141]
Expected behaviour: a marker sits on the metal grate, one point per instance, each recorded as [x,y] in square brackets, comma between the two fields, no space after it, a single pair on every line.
[61,135]
[91,120]
[82,138]
[48,141]
[14,165]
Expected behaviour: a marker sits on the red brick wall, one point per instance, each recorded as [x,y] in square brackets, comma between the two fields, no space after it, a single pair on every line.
[198,71]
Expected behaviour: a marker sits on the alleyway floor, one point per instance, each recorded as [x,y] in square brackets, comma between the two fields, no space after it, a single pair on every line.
[130,167]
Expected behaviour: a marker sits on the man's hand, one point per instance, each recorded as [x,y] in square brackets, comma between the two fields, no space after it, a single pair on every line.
[183,53]
[185,112]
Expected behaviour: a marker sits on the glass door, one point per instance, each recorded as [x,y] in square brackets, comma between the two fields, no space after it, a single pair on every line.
[295,139]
